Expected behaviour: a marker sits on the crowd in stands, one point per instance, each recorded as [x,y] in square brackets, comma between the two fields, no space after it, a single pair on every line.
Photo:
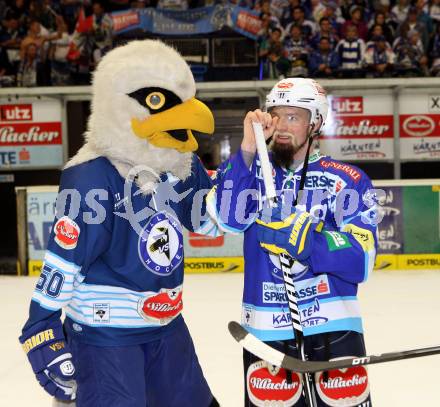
[59,42]
[341,39]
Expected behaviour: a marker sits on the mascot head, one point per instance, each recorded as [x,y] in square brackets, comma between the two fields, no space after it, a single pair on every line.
[144,110]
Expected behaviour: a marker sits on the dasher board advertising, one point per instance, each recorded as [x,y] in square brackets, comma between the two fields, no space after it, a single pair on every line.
[419,126]
[30,134]
[359,128]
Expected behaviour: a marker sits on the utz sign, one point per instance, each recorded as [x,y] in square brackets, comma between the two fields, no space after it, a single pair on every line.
[359,128]
[31,135]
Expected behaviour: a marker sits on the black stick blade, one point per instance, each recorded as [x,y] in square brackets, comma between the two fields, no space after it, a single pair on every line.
[277,358]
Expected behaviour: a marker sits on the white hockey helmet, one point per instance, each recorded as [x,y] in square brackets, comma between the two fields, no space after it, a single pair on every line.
[300,92]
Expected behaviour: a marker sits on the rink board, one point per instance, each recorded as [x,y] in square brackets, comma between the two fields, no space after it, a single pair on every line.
[409,232]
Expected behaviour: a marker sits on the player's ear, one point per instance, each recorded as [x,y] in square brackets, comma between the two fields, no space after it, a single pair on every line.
[317,126]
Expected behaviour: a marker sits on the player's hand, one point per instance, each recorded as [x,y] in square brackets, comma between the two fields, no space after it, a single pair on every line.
[51,359]
[292,235]
[268,122]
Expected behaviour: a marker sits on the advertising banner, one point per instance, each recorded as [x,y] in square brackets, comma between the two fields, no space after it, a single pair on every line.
[30,135]
[202,20]
[408,235]
[390,229]
[419,126]
[359,128]
[40,203]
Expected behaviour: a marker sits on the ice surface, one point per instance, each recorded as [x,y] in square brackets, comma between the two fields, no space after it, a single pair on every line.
[401,311]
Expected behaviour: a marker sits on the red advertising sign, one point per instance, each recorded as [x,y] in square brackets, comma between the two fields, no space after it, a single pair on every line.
[359,128]
[31,134]
[350,127]
[15,113]
[28,134]
[124,20]
[196,240]
[419,125]
[347,104]
[248,22]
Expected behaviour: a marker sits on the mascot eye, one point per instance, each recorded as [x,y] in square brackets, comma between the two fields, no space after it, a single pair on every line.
[155,100]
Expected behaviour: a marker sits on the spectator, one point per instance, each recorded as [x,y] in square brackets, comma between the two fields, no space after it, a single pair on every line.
[351,52]
[357,21]
[298,18]
[28,72]
[44,12]
[375,31]
[387,30]
[296,52]
[102,30]
[410,56]
[400,11]
[434,11]
[11,36]
[276,64]
[7,73]
[37,35]
[380,58]
[267,43]
[424,17]
[265,29]
[435,53]
[277,7]
[71,10]
[325,61]
[333,13]
[286,15]
[365,6]
[413,24]
[318,10]
[18,8]
[269,20]
[58,51]
[325,30]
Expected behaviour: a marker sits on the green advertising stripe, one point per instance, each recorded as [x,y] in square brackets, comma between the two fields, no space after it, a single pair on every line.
[421,219]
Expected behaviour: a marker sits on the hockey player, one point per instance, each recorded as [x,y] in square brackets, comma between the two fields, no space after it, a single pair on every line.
[331,233]
[114,260]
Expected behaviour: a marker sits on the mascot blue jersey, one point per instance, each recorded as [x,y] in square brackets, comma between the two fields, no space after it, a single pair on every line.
[343,253]
[114,259]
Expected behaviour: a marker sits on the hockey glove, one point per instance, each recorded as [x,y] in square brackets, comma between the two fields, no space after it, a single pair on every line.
[292,235]
[50,358]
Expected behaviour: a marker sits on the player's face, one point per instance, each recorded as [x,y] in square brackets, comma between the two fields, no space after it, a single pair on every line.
[292,127]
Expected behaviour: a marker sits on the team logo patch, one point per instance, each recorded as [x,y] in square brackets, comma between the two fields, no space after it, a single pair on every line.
[160,244]
[161,307]
[267,385]
[344,387]
[101,313]
[67,368]
[66,233]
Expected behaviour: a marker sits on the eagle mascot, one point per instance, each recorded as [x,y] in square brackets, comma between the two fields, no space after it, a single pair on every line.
[114,260]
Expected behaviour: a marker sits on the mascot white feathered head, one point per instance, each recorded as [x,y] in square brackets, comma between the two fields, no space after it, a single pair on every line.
[144,110]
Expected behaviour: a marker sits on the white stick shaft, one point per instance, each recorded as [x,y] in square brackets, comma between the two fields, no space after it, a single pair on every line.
[264,162]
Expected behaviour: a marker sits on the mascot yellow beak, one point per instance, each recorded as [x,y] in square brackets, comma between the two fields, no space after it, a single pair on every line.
[171,127]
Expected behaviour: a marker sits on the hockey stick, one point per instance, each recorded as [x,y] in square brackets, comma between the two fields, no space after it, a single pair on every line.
[277,358]
[286,263]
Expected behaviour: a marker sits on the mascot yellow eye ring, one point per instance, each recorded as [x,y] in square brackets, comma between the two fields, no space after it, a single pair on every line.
[155,100]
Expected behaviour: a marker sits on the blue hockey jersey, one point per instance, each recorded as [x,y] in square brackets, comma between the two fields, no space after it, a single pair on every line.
[114,260]
[343,253]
